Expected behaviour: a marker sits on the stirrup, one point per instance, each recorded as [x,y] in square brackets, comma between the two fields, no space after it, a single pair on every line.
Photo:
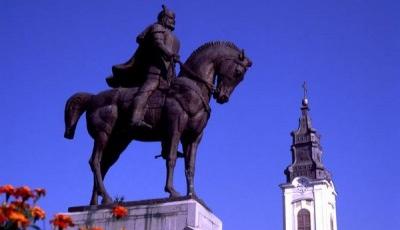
[142,124]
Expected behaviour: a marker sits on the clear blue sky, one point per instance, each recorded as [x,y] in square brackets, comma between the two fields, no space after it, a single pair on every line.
[347,51]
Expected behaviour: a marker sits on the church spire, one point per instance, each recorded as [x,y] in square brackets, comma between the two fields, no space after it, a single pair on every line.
[306,148]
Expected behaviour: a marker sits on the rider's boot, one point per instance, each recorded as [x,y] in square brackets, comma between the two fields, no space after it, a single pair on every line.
[139,104]
[140,123]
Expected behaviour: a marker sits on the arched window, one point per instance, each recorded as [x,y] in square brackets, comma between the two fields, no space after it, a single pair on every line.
[303,220]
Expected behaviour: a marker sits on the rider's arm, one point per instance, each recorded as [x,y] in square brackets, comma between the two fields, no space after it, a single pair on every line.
[158,39]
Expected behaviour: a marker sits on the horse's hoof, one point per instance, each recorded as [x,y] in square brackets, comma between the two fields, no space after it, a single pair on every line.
[172,192]
[69,133]
[191,194]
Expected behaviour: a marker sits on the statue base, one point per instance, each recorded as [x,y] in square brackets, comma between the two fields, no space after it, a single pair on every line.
[182,213]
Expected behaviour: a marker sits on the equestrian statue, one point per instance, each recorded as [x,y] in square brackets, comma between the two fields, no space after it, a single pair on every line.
[148,103]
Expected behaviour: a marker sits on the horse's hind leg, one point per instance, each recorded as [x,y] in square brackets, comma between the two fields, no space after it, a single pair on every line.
[110,155]
[100,143]
[93,199]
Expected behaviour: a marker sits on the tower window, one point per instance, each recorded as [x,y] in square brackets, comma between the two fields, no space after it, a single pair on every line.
[303,220]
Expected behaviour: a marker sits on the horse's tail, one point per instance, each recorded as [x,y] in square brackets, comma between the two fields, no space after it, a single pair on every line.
[74,108]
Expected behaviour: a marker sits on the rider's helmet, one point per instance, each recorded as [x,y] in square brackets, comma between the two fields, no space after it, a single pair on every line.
[166,18]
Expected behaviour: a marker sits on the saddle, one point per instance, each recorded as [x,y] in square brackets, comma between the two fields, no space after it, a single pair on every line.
[157,99]
[178,89]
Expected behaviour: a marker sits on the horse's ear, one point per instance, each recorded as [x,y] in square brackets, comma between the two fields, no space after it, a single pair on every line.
[249,63]
[241,55]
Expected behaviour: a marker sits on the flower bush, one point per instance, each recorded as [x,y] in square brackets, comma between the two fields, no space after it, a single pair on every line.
[19,209]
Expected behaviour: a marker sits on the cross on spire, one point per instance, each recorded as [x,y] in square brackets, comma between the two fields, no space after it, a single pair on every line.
[305,100]
[305,90]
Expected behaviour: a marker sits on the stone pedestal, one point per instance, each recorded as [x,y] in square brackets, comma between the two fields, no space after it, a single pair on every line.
[184,213]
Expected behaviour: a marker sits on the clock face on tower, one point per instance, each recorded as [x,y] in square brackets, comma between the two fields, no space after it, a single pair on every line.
[302,184]
[303,181]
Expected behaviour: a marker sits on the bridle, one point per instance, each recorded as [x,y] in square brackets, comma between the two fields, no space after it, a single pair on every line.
[210,86]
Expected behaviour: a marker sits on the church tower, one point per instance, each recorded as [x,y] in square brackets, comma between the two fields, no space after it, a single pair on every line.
[309,196]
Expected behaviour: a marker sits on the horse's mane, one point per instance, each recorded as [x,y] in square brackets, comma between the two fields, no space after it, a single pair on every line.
[212,44]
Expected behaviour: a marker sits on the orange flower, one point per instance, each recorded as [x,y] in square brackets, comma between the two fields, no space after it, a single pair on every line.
[7,209]
[24,192]
[18,218]
[62,221]
[19,204]
[38,213]
[40,192]
[7,189]
[96,228]
[91,228]
[119,211]
[3,218]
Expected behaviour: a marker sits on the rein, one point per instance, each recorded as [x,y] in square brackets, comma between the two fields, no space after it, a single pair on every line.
[209,86]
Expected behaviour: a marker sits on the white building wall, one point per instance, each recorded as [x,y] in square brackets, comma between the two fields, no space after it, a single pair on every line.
[318,197]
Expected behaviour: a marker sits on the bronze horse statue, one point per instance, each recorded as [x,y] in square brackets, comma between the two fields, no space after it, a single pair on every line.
[176,114]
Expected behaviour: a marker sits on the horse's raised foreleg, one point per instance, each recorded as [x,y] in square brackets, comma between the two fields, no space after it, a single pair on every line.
[95,161]
[189,151]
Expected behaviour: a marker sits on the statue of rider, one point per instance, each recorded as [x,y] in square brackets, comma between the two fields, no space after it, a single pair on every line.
[153,62]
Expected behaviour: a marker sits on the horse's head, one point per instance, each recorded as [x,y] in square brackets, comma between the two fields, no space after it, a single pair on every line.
[230,72]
